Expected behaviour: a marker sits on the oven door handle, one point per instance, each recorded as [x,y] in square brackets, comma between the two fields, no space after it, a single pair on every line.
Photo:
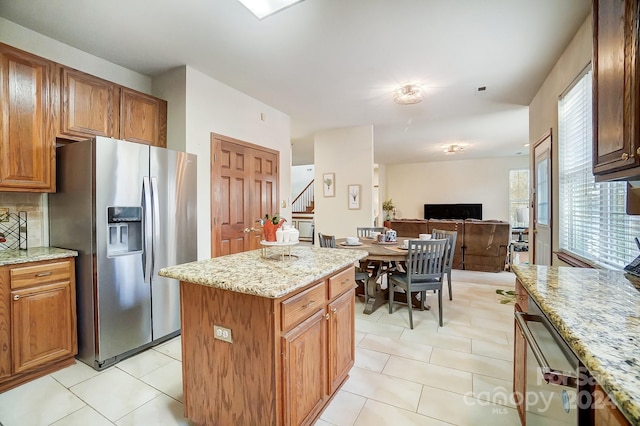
[551,376]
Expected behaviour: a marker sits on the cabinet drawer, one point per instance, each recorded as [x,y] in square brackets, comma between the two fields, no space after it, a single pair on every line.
[39,274]
[302,305]
[341,282]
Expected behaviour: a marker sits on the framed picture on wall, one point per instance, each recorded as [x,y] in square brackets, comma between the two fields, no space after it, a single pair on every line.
[353,192]
[329,184]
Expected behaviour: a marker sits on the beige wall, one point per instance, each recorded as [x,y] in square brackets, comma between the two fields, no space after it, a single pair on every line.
[46,47]
[543,110]
[484,181]
[347,152]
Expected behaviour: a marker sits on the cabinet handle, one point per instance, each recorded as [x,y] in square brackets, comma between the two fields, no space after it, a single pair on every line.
[43,274]
[16,297]
[327,316]
[638,151]
[308,304]
[334,310]
[625,156]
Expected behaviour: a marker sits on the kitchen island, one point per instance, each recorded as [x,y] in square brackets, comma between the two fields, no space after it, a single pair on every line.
[266,340]
[597,313]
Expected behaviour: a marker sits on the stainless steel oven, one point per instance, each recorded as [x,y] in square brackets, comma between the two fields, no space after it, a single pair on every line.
[552,371]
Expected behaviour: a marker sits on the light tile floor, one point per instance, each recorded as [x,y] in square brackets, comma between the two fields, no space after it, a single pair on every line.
[458,374]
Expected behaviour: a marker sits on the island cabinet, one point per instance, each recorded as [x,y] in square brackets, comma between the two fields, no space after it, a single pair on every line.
[616,90]
[37,319]
[27,116]
[605,413]
[520,355]
[253,360]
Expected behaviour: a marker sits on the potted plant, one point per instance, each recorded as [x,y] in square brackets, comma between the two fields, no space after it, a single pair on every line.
[388,206]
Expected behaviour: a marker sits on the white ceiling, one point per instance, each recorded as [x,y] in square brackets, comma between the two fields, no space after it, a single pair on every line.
[335,63]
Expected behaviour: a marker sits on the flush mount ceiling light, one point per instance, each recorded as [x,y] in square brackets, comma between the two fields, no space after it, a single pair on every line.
[263,8]
[408,94]
[453,149]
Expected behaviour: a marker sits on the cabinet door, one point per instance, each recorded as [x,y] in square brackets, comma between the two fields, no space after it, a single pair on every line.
[341,339]
[615,86]
[605,413]
[5,323]
[520,372]
[304,370]
[143,118]
[43,325]
[90,106]
[27,143]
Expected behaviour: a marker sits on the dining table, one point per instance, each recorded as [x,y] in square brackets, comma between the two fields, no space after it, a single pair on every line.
[383,258]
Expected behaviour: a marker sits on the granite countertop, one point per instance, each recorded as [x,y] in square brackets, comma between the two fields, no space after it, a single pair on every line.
[597,312]
[35,254]
[272,277]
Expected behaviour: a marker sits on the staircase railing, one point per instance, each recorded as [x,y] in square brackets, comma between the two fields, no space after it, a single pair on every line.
[303,203]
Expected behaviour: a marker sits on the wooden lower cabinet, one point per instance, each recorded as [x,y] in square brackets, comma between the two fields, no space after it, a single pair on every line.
[305,370]
[284,359]
[37,320]
[605,413]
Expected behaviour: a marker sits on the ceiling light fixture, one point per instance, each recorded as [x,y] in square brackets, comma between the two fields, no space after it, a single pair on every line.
[453,149]
[263,8]
[408,94]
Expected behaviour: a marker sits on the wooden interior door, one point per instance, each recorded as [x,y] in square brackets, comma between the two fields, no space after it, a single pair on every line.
[244,187]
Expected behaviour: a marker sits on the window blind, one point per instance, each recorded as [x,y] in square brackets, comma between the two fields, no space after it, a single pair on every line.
[593,220]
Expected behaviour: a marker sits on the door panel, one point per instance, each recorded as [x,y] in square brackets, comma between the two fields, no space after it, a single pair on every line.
[244,187]
[174,232]
[542,224]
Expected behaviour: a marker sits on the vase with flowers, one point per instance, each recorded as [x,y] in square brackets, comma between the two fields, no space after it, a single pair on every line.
[270,225]
[388,206]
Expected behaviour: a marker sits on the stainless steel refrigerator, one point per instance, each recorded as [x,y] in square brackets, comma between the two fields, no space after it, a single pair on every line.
[128,209]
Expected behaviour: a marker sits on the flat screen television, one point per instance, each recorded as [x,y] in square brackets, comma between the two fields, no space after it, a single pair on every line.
[453,211]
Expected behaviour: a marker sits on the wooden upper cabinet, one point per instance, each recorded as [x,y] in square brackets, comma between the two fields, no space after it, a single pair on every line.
[143,118]
[27,119]
[616,85]
[90,106]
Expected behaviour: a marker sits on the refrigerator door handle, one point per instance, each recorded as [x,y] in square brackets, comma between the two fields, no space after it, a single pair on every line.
[156,218]
[148,229]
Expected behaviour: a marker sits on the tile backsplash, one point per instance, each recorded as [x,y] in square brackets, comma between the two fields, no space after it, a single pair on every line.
[34,205]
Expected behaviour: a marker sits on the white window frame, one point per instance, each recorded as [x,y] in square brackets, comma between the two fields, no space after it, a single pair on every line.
[518,199]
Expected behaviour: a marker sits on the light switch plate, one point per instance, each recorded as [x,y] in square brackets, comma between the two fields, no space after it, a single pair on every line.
[222,333]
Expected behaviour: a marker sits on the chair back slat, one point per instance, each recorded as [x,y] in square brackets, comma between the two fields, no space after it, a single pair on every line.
[327,240]
[451,236]
[426,259]
[367,231]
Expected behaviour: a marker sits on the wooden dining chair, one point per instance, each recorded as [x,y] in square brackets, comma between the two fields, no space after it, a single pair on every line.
[451,236]
[366,232]
[425,271]
[360,274]
[327,240]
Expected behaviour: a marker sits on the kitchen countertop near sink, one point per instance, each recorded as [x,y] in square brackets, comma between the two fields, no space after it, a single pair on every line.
[597,312]
[249,272]
[35,254]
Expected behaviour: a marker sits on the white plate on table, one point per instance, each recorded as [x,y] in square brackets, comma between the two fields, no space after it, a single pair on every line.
[351,245]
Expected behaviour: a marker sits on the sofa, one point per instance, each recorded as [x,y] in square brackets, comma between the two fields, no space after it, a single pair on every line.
[481,245]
